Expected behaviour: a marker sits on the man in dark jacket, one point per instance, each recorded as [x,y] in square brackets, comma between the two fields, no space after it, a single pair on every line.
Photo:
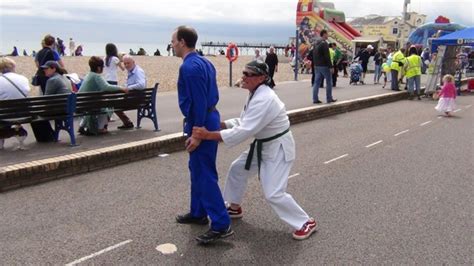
[364,56]
[322,68]
[272,62]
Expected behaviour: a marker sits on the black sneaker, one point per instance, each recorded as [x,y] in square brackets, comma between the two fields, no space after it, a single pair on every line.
[211,236]
[126,126]
[318,101]
[188,219]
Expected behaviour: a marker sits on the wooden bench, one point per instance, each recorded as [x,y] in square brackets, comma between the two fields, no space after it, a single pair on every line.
[63,108]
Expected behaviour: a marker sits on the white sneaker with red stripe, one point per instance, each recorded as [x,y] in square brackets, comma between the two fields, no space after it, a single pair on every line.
[308,228]
[235,214]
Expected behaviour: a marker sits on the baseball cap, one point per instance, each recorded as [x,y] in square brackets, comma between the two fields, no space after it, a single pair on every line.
[50,64]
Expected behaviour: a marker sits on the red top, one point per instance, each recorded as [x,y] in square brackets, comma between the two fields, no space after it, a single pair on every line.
[448,91]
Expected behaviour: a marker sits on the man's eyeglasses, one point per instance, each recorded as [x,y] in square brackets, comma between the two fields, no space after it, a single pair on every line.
[248,74]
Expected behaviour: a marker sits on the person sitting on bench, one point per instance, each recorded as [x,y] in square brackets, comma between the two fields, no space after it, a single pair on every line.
[136,80]
[94,82]
[12,86]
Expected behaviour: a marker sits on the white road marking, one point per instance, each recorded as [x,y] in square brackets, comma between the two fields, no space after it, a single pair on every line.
[401,132]
[455,111]
[335,159]
[99,253]
[295,175]
[469,106]
[167,248]
[163,155]
[439,117]
[373,144]
[425,123]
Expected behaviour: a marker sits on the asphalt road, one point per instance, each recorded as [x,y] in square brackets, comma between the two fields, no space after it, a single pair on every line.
[401,195]
[294,94]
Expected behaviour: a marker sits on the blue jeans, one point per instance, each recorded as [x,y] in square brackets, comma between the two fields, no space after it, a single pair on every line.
[319,73]
[377,73]
[412,83]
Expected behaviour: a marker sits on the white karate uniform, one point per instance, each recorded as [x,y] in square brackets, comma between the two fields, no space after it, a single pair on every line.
[264,116]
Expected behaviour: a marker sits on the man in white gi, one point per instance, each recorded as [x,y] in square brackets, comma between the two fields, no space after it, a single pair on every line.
[270,156]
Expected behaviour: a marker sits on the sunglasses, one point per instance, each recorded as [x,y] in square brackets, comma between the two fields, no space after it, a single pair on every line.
[248,74]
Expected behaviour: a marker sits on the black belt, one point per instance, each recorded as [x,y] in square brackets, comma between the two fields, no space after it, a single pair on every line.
[209,110]
[259,143]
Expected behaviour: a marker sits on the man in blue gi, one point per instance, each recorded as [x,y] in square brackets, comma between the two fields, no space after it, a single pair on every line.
[198,97]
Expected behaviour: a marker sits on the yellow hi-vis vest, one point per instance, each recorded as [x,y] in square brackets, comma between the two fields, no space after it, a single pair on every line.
[398,60]
[413,66]
[332,53]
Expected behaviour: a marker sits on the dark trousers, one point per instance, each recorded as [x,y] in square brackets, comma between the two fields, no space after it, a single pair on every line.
[7,132]
[271,72]
[394,85]
[125,119]
[334,76]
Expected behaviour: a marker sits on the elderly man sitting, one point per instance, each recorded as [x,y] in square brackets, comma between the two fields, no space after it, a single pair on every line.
[136,80]
[12,86]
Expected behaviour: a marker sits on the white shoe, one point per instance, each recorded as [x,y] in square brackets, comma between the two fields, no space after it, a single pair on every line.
[21,144]
[21,138]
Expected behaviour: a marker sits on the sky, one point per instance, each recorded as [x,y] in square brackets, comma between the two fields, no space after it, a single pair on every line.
[24,22]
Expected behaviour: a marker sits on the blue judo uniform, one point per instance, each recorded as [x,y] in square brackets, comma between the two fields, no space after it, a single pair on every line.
[198,97]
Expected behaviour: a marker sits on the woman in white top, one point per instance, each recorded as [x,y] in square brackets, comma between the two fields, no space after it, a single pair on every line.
[12,86]
[112,62]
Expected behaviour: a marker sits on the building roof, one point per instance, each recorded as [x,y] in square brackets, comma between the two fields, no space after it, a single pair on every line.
[371,20]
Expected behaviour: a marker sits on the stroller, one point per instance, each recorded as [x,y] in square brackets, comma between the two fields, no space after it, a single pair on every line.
[356,71]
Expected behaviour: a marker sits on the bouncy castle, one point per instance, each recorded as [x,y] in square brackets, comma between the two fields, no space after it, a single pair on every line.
[312,16]
[442,26]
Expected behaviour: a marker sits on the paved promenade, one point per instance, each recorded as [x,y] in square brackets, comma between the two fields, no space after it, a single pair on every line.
[389,185]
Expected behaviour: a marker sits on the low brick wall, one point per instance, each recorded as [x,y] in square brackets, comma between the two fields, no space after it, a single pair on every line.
[316,112]
[30,173]
[35,172]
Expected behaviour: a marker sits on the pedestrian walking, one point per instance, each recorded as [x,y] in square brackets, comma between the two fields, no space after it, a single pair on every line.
[322,68]
[272,62]
[447,96]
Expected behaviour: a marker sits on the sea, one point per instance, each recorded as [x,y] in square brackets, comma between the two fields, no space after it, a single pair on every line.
[98,48]
[89,48]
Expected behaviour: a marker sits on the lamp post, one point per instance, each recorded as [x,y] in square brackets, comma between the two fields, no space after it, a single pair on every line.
[402,26]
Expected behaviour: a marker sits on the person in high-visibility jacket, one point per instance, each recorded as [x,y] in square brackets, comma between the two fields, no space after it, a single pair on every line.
[334,54]
[396,67]
[385,71]
[432,63]
[412,67]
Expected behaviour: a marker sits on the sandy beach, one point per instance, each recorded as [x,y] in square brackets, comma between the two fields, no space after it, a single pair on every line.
[162,69]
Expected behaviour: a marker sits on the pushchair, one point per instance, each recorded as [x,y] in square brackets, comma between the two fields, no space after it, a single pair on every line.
[355,73]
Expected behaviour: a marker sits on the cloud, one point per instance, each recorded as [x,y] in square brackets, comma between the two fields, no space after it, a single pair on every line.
[243,11]
[249,12]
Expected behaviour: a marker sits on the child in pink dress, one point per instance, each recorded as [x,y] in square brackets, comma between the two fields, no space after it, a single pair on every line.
[447,96]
